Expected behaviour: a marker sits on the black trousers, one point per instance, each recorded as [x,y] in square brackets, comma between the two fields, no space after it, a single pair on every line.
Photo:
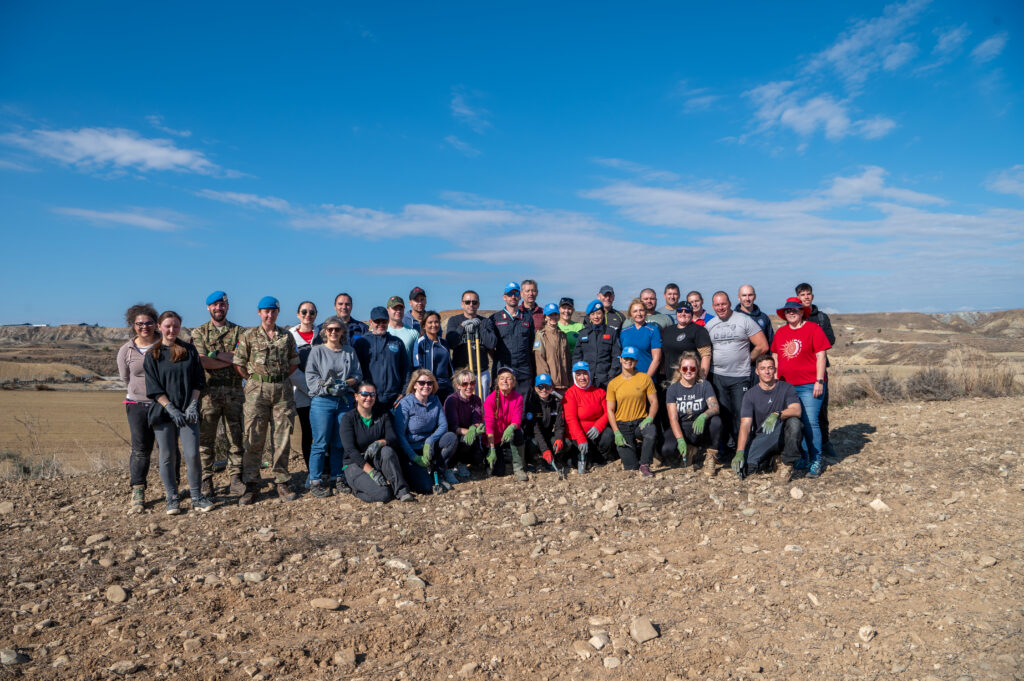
[784,441]
[363,486]
[307,433]
[710,436]
[647,438]
[143,439]
[730,391]
[600,450]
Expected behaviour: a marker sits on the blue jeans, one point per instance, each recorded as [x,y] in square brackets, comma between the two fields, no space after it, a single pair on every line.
[325,414]
[810,409]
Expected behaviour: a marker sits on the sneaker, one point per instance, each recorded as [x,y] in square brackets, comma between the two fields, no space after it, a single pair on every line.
[815,469]
[284,492]
[252,492]
[320,490]
[173,507]
[341,487]
[138,502]
[521,475]
[803,464]
[202,503]
[206,488]
[645,471]
[406,496]
[236,487]
[462,472]
[450,478]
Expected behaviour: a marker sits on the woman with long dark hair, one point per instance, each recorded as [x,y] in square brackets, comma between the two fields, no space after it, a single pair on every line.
[305,337]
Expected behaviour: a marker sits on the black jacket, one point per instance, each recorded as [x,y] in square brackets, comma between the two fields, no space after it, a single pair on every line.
[822,320]
[385,362]
[598,345]
[454,336]
[356,436]
[543,420]
[514,346]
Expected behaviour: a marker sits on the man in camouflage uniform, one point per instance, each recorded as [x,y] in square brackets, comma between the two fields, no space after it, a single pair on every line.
[216,341]
[265,357]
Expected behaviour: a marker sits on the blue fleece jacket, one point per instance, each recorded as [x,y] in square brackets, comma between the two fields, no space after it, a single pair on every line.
[417,423]
[434,356]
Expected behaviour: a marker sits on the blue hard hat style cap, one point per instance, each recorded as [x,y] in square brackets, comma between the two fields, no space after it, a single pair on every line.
[629,352]
[378,313]
[581,366]
[216,297]
[550,308]
[268,303]
[512,286]
[543,379]
[594,305]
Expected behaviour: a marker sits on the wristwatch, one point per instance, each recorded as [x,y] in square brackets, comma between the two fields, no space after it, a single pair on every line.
[821,380]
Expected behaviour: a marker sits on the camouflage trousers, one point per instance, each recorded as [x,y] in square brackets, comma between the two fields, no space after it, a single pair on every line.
[266,404]
[221,402]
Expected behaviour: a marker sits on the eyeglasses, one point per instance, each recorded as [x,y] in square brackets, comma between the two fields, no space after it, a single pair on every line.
[307,312]
[688,370]
[470,302]
[145,324]
[363,393]
[424,382]
[333,329]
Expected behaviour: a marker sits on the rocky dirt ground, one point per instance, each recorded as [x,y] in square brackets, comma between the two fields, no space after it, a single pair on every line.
[903,561]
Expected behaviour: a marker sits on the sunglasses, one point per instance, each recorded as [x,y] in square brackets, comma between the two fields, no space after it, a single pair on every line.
[424,382]
[470,302]
[468,384]
[544,387]
[514,294]
[145,324]
[363,393]
[307,312]
[688,370]
[333,329]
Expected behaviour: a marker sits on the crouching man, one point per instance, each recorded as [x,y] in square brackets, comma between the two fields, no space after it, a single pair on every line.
[770,425]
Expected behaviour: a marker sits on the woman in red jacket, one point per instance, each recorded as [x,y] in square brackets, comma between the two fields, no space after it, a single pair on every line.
[587,419]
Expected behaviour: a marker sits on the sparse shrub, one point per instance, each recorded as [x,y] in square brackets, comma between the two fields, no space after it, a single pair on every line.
[14,466]
[981,375]
[887,388]
[931,384]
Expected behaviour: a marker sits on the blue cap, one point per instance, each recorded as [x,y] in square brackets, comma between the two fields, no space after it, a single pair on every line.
[512,286]
[268,303]
[216,297]
[378,313]
[543,379]
[581,366]
[629,352]
[550,308]
[594,305]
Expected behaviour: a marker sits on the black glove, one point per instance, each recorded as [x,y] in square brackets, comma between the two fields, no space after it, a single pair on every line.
[372,450]
[192,412]
[176,415]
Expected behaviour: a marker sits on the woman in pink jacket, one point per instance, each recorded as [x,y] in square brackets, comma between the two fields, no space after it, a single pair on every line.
[503,421]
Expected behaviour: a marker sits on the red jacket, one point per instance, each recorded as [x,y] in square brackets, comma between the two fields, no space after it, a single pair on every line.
[583,410]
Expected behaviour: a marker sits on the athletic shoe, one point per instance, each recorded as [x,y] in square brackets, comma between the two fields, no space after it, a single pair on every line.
[406,496]
[450,478]
[815,469]
[138,503]
[521,475]
[319,490]
[341,487]
[173,507]
[645,471]
[803,464]
[202,503]
[284,492]
[462,471]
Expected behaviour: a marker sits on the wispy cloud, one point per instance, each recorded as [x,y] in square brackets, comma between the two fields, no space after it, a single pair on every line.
[158,123]
[464,148]
[165,221]
[990,48]
[640,170]
[696,99]
[6,164]
[240,199]
[465,111]
[1009,181]
[98,148]
[413,220]
[950,39]
[781,104]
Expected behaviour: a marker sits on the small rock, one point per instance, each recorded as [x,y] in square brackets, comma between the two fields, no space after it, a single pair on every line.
[599,641]
[642,630]
[793,548]
[11,656]
[813,599]
[116,594]
[270,662]
[611,662]
[325,603]
[346,657]
[583,649]
[879,505]
[796,493]
[528,519]
[866,633]
[468,669]
[749,549]
[124,667]
[95,539]
[599,621]
[398,564]
[749,511]
[987,561]
[106,562]
[60,661]
[415,583]
[192,645]
[6,507]
[254,577]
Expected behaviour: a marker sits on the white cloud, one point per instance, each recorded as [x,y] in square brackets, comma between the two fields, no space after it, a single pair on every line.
[990,48]
[466,112]
[14,165]
[464,148]
[696,99]
[640,170]
[269,202]
[1009,181]
[158,123]
[414,220]
[871,184]
[94,148]
[133,218]
[951,39]
[780,104]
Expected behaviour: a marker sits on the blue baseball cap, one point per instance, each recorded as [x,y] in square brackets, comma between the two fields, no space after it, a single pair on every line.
[512,286]
[594,305]
[543,379]
[629,352]
[378,313]
[268,303]
[216,297]
[581,366]
[550,308]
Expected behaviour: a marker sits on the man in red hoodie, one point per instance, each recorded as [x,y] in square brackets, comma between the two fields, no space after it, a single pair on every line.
[587,418]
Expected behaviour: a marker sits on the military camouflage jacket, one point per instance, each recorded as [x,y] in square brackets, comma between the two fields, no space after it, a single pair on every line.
[209,338]
[260,354]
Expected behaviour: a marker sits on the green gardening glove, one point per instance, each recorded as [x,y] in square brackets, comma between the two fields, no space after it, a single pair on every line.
[377,477]
[492,456]
[739,461]
[769,423]
[646,422]
[426,451]
[620,439]
[698,424]
[470,437]
[681,448]
[506,437]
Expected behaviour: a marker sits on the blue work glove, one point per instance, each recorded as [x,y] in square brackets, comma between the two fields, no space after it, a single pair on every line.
[506,437]
[698,424]
[175,414]
[192,412]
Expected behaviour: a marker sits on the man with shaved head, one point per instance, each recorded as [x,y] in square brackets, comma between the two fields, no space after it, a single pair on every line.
[747,296]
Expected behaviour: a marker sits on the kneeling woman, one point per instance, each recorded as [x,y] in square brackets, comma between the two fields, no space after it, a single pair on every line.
[632,405]
[371,465]
[465,414]
[422,431]
[692,412]
[503,421]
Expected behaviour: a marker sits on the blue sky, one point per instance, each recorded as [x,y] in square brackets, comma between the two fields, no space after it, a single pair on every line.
[159,152]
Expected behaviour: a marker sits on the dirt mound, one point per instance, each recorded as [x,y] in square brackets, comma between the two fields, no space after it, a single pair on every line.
[902,561]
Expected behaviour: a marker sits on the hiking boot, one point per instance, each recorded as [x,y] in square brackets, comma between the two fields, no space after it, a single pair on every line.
[202,504]
[173,507]
[248,497]
[645,471]
[815,469]
[320,490]
[236,487]
[783,473]
[450,478]
[284,492]
[341,487]
[206,488]
[462,472]
[521,475]
[220,465]
[406,496]
[138,502]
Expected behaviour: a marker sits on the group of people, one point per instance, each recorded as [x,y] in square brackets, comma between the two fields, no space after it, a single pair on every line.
[390,408]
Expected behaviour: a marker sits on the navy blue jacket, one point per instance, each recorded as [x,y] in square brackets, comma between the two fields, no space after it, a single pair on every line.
[514,348]
[384,361]
[434,356]
[763,320]
[598,345]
